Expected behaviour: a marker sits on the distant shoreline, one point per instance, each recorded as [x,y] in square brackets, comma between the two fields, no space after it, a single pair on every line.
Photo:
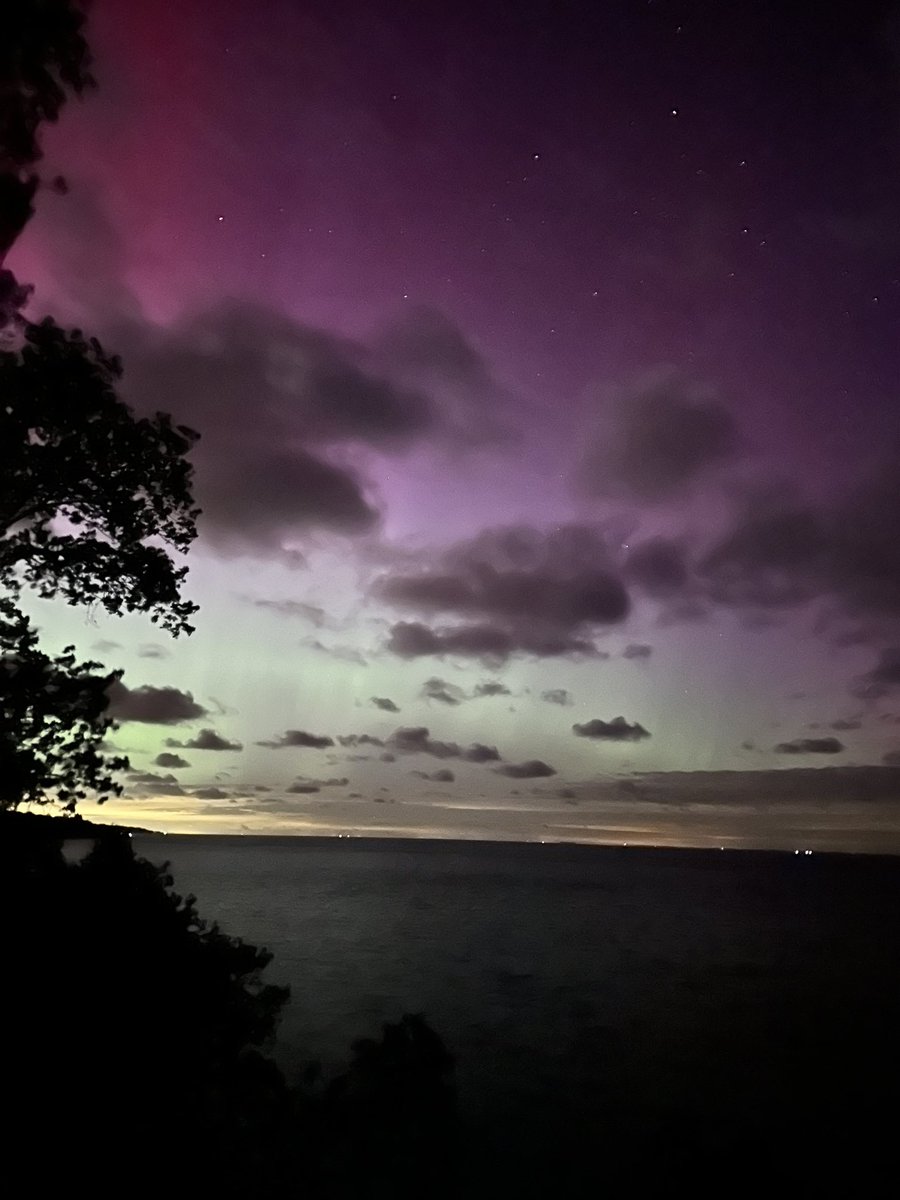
[362,842]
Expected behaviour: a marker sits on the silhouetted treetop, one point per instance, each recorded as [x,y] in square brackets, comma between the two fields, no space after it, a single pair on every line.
[44,58]
[52,721]
[85,485]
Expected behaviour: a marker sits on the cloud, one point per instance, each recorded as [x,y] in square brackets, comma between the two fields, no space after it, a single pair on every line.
[782,551]
[417,740]
[274,398]
[558,696]
[532,769]
[384,704]
[342,653]
[325,783]
[441,776]
[658,439]
[491,687]
[174,761]
[283,406]
[559,579]
[616,730]
[883,679]
[149,783]
[104,646]
[428,352]
[298,737]
[441,690]
[891,758]
[302,789]
[152,705]
[410,639]
[824,745]
[209,793]
[151,650]
[845,725]
[479,753]
[658,567]
[292,608]
[637,650]
[206,739]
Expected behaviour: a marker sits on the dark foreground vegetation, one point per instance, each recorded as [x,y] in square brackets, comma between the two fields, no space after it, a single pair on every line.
[136,1057]
[134,1052]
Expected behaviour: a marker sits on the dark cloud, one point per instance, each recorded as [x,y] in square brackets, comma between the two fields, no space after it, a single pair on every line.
[491,687]
[773,557]
[410,639]
[387,757]
[206,739]
[891,758]
[104,646]
[417,740]
[817,785]
[292,608]
[824,745]
[783,551]
[152,705]
[209,793]
[659,439]
[280,403]
[616,730]
[442,691]
[658,567]
[561,579]
[385,704]
[151,650]
[299,738]
[428,352]
[302,789]
[558,696]
[845,725]
[533,769]
[334,781]
[173,761]
[271,395]
[883,679]
[342,653]
[637,650]
[441,776]
[479,753]
[149,783]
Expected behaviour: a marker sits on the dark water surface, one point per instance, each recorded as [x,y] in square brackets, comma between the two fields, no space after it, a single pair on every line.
[571,977]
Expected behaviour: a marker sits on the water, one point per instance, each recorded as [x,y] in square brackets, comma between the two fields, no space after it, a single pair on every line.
[572,976]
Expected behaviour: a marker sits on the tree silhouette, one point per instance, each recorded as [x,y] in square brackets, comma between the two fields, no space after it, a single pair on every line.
[43,58]
[92,498]
[52,721]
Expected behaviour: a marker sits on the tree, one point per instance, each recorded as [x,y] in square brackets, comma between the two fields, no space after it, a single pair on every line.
[43,58]
[92,498]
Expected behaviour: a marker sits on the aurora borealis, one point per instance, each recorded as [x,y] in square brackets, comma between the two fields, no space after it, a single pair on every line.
[545,360]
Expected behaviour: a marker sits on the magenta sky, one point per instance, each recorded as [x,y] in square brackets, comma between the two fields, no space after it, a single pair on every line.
[535,332]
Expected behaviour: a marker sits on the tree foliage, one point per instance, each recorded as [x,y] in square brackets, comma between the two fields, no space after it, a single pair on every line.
[88,490]
[44,57]
[92,497]
[53,723]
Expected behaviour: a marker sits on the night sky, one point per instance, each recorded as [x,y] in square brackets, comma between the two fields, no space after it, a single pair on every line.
[545,356]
